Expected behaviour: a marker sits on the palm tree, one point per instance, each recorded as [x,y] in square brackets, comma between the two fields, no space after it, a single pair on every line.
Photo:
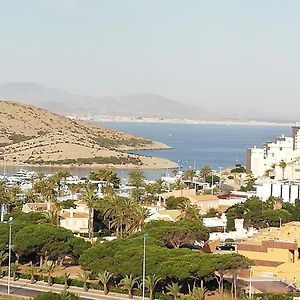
[84,277]
[282,165]
[199,293]
[189,211]
[66,278]
[205,171]
[14,269]
[108,190]
[178,185]
[90,197]
[128,284]
[140,214]
[49,268]
[136,178]
[32,270]
[104,278]
[189,174]
[150,283]
[74,188]
[51,217]
[108,175]
[3,258]
[174,290]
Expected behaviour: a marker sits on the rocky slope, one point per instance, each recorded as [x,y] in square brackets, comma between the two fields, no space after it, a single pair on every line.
[34,136]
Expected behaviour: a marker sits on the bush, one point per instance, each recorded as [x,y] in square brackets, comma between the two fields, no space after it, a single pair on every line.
[54,296]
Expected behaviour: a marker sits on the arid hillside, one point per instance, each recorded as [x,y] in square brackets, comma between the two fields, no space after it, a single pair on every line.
[34,136]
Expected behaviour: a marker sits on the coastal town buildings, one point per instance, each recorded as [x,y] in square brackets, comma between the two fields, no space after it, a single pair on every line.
[260,161]
[76,219]
[288,190]
[275,252]
[204,202]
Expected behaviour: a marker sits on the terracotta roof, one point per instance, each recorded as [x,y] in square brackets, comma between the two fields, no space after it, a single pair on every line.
[39,206]
[198,198]
[179,193]
[76,215]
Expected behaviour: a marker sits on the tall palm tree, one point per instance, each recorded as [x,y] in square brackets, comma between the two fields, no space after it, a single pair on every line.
[282,165]
[189,211]
[136,178]
[84,277]
[128,283]
[206,171]
[151,283]
[108,190]
[140,214]
[3,258]
[189,174]
[104,278]
[49,268]
[174,290]
[178,185]
[91,198]
[45,188]
[108,175]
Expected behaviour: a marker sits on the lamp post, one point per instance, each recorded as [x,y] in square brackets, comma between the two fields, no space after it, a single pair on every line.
[250,283]
[280,222]
[144,265]
[10,221]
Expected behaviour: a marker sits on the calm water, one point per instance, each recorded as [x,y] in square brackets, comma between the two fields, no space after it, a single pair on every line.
[193,145]
[199,145]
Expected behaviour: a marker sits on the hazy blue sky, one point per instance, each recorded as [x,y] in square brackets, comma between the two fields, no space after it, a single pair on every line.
[210,53]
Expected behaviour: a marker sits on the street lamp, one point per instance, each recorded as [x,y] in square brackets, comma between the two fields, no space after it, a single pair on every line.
[144,265]
[10,221]
[250,283]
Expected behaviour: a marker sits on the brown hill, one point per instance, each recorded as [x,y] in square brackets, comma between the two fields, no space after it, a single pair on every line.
[34,136]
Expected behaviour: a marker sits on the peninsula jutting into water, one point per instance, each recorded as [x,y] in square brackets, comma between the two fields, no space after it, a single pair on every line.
[32,136]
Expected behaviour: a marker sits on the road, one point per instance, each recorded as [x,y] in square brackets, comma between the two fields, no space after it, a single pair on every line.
[22,287]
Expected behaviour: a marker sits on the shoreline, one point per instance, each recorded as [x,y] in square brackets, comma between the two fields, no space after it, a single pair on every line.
[157,164]
[122,119]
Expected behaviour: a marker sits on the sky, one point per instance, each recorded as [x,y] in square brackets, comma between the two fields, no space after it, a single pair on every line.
[221,55]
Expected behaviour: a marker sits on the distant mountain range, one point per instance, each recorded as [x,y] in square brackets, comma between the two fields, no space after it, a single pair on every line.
[133,106]
[62,102]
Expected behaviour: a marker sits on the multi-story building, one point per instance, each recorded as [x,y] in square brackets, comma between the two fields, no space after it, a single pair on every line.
[287,149]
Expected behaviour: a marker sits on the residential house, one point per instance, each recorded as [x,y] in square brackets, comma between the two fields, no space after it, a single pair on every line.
[275,252]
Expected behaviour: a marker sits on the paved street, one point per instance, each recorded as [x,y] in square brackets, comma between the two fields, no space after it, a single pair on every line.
[23,287]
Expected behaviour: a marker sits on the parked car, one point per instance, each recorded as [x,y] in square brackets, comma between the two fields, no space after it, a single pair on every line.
[226,247]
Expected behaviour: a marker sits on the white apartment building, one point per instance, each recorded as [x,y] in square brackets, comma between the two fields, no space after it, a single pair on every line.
[259,160]
[289,191]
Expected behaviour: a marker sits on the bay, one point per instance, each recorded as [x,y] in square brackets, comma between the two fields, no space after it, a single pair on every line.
[197,145]
[193,145]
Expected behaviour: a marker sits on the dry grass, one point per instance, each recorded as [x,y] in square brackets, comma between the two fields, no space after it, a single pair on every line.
[35,136]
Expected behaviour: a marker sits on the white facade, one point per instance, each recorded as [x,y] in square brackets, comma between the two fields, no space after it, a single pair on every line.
[289,191]
[259,160]
[76,219]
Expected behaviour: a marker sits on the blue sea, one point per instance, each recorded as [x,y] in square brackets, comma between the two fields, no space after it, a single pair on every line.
[192,145]
[199,145]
